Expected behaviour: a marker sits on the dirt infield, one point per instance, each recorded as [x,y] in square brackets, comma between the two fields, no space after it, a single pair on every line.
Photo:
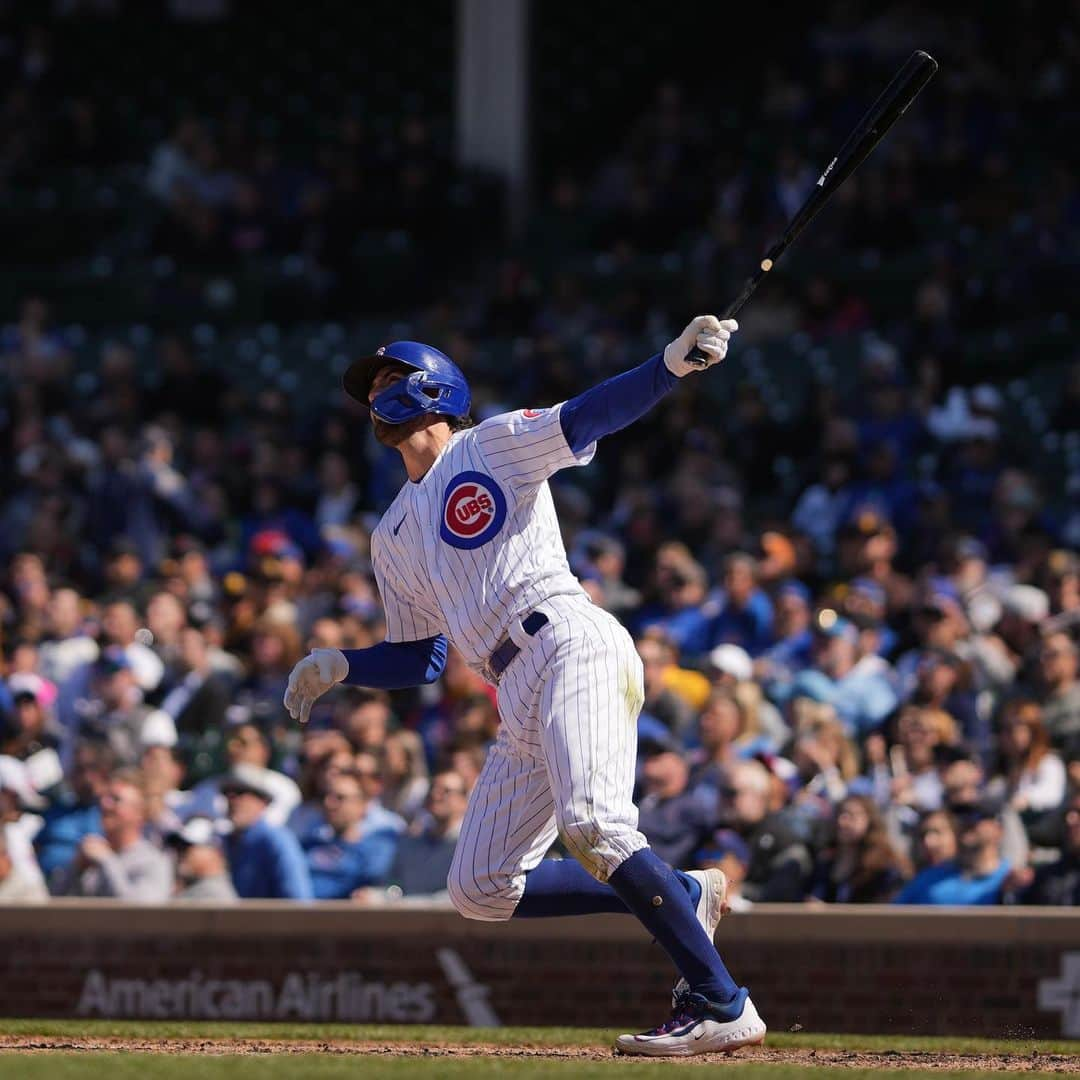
[36,1044]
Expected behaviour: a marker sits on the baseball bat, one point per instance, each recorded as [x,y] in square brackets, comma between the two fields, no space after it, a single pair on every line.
[870,130]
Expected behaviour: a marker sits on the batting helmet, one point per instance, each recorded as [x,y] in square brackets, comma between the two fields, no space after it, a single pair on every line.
[436,384]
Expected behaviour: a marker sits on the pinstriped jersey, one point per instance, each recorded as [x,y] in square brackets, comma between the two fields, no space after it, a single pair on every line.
[475,542]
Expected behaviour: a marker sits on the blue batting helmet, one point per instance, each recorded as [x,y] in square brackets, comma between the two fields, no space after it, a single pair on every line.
[436,384]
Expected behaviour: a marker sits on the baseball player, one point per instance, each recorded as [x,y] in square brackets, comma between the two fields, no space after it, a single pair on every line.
[470,551]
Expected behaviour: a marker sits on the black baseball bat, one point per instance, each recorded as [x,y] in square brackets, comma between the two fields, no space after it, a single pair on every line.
[870,130]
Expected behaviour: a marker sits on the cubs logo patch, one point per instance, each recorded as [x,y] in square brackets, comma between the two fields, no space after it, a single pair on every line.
[532,414]
[474,509]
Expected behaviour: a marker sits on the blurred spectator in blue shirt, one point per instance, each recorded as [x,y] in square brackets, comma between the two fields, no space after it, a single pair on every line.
[791,651]
[354,845]
[858,689]
[423,858]
[866,604]
[674,816]
[977,875]
[744,614]
[265,861]
[726,850]
[73,813]
[680,585]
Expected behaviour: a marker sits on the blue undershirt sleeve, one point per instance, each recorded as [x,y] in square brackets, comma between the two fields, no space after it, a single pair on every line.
[395,665]
[614,403]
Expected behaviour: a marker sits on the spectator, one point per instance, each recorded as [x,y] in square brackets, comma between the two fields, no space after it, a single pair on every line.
[764,730]
[196,697]
[348,849]
[1031,777]
[744,616]
[861,867]
[601,560]
[826,760]
[73,812]
[920,733]
[935,839]
[367,719]
[466,755]
[265,860]
[964,787]
[780,861]
[664,680]
[112,710]
[1059,882]
[977,875]
[680,586]
[727,851]
[423,857]
[860,692]
[201,870]
[275,648]
[248,745]
[119,863]
[674,816]
[720,726]
[67,646]
[325,753]
[29,730]
[162,771]
[17,887]
[405,781]
[791,650]
[1059,664]
[18,820]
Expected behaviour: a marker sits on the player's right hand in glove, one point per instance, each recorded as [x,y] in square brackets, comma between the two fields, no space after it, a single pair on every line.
[311,678]
[709,334]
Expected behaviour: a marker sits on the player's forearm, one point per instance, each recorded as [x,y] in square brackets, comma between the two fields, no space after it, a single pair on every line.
[615,403]
[395,665]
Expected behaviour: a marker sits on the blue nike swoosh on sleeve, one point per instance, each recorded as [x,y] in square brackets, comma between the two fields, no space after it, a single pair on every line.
[399,524]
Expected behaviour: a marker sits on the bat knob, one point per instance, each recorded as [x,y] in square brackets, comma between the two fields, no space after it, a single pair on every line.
[696,357]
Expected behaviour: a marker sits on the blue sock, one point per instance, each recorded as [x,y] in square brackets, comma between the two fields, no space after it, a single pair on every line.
[653,892]
[565,887]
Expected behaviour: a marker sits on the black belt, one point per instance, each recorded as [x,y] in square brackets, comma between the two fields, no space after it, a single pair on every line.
[508,648]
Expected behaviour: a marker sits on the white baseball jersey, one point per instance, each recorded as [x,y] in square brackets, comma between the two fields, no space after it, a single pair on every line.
[475,543]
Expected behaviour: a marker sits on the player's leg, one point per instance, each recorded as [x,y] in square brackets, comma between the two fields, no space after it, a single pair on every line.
[508,826]
[590,700]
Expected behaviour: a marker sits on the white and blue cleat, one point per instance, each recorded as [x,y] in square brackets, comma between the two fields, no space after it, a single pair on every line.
[699,1026]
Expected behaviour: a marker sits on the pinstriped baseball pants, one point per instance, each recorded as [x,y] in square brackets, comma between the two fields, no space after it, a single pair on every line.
[563,763]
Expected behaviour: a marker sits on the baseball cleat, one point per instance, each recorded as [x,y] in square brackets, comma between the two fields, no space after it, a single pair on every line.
[711,907]
[699,1026]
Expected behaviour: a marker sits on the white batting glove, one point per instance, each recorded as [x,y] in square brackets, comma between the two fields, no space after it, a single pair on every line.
[709,334]
[311,678]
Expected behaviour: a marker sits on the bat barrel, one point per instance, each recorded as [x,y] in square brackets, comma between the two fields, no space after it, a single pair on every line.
[917,71]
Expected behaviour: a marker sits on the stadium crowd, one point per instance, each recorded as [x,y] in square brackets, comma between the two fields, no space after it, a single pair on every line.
[876,697]
[862,684]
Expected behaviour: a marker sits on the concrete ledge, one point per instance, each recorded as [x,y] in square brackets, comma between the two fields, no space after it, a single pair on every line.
[766,923]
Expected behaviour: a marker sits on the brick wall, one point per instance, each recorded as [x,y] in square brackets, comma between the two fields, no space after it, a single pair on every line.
[865,969]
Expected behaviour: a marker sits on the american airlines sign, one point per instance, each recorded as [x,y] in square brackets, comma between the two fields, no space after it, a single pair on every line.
[347,996]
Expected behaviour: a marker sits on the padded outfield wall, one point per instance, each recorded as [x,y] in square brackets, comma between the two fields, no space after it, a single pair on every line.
[997,972]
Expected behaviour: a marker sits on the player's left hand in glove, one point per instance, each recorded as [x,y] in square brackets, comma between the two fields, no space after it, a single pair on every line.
[710,334]
[311,678]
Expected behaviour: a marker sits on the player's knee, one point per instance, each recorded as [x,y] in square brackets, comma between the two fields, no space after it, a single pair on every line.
[479,897]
